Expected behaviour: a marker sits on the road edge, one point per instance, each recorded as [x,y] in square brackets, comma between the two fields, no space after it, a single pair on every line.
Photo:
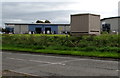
[65,55]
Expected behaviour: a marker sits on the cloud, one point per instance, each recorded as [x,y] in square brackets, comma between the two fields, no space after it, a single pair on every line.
[40,0]
[55,11]
[34,11]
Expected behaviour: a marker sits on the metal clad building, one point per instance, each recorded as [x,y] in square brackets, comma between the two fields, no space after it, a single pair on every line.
[39,28]
[110,24]
[85,24]
[80,24]
[43,27]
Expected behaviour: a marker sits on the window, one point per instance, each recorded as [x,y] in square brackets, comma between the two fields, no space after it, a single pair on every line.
[106,27]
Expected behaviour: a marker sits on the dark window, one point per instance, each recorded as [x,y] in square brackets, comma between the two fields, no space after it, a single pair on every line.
[106,27]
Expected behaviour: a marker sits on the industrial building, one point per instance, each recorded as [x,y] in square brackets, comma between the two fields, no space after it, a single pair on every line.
[80,24]
[38,28]
[111,24]
[85,24]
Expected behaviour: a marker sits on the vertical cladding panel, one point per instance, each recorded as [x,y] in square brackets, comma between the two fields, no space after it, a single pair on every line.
[114,24]
[24,29]
[17,29]
[79,23]
[60,29]
[68,28]
[63,28]
[94,24]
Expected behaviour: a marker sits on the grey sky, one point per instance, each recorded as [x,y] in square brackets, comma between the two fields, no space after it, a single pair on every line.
[56,12]
[32,11]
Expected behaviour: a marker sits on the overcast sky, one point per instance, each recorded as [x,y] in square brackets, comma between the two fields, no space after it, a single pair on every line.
[57,11]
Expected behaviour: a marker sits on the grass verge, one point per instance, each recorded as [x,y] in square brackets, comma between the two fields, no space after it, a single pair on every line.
[62,52]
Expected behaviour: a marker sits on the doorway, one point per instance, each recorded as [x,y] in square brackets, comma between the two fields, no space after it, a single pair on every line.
[47,30]
[38,30]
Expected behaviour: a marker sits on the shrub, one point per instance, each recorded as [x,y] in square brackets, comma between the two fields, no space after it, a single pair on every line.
[105,42]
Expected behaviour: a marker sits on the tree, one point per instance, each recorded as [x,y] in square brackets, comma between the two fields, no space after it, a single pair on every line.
[39,21]
[3,30]
[47,21]
[6,30]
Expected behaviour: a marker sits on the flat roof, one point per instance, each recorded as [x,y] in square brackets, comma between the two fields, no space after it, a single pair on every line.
[36,24]
[85,14]
[110,18]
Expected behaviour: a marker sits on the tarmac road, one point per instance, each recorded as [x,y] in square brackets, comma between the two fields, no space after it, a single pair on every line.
[49,65]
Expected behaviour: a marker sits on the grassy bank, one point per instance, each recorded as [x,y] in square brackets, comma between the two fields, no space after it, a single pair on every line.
[100,46]
[64,52]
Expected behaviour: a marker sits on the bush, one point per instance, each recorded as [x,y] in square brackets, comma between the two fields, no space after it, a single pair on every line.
[105,42]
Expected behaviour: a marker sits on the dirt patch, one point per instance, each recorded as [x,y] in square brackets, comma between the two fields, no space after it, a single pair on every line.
[6,73]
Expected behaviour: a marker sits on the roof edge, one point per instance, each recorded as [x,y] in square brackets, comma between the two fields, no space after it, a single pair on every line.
[84,14]
[110,18]
[34,24]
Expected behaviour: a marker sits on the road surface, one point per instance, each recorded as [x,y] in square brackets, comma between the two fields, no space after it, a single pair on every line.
[49,65]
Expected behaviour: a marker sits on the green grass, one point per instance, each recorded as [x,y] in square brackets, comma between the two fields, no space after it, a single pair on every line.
[78,53]
[105,45]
